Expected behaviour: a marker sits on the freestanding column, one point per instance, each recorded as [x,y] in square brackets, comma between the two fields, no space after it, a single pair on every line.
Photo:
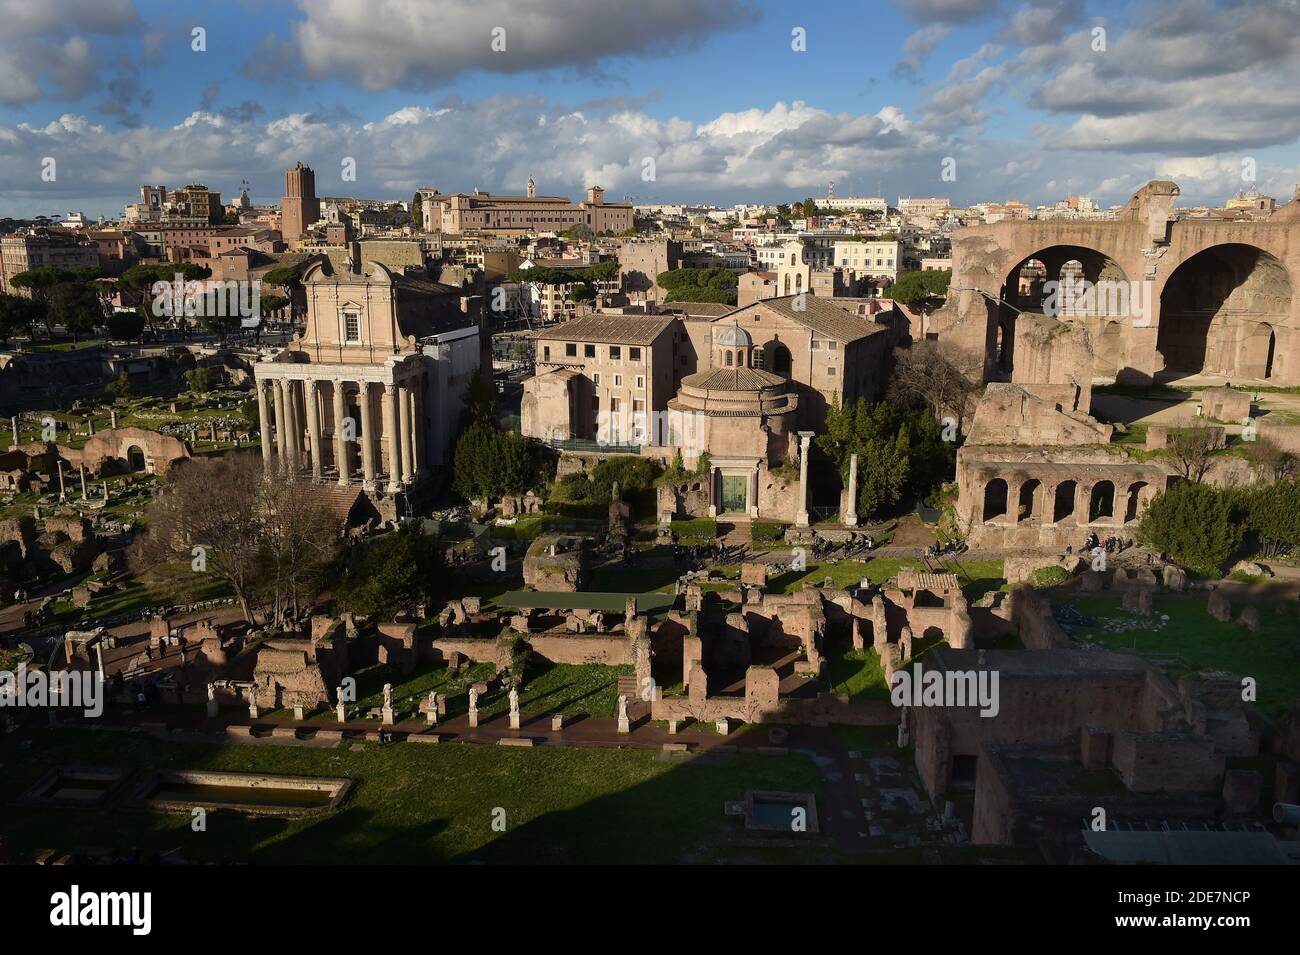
[851,512]
[264,422]
[404,420]
[340,437]
[367,437]
[313,426]
[294,429]
[801,519]
[281,424]
[390,436]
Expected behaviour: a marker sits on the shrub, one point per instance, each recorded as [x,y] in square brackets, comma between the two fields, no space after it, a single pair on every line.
[766,532]
[700,528]
[1196,524]
[1045,577]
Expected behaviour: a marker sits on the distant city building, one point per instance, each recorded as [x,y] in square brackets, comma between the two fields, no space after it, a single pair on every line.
[517,215]
[923,207]
[38,247]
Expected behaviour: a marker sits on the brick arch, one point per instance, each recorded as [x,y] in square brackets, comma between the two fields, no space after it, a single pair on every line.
[1145,241]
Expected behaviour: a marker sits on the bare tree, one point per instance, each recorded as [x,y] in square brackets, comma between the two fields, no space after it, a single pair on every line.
[300,540]
[936,376]
[1272,459]
[1192,447]
[262,534]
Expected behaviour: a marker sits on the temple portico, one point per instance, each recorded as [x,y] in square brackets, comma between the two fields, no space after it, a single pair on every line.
[352,424]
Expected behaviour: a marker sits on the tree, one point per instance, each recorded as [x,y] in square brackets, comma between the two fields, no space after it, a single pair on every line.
[264,536]
[199,380]
[698,285]
[1192,448]
[17,314]
[397,573]
[881,442]
[1270,458]
[120,388]
[1273,516]
[489,463]
[1195,524]
[76,306]
[934,376]
[125,326]
[921,288]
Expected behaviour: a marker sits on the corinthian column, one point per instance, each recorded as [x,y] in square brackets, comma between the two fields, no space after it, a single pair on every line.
[313,425]
[263,423]
[851,512]
[340,436]
[294,436]
[404,420]
[391,438]
[281,423]
[367,436]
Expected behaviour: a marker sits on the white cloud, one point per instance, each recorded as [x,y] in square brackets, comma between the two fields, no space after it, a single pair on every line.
[412,44]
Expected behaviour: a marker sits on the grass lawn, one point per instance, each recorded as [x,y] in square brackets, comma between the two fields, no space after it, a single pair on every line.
[1271,656]
[859,673]
[843,573]
[588,689]
[425,804]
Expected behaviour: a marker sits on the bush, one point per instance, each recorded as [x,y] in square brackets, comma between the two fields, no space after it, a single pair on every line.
[200,380]
[1196,524]
[700,528]
[397,572]
[1045,577]
[491,463]
[766,532]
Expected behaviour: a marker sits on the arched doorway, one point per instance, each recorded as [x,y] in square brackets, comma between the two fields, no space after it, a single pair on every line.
[995,500]
[1134,501]
[135,458]
[1258,352]
[1028,509]
[1063,500]
[1218,313]
[1101,502]
[776,357]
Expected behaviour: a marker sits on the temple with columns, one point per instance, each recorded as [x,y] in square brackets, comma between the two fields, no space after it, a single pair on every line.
[366,395]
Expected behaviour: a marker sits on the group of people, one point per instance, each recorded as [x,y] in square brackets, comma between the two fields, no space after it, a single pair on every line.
[1112,544]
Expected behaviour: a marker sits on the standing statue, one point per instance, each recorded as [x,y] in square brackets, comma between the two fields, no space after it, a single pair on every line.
[514,700]
[473,698]
[212,691]
[388,695]
[622,707]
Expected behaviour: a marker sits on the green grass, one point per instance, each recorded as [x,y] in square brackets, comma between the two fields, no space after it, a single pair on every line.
[426,804]
[1271,656]
[843,573]
[572,689]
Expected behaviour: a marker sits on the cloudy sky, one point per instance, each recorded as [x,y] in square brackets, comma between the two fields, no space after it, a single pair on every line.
[663,100]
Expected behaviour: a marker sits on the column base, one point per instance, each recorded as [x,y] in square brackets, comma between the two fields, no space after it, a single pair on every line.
[801,519]
[850,520]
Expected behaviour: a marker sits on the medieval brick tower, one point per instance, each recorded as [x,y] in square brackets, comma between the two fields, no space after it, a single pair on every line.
[299,208]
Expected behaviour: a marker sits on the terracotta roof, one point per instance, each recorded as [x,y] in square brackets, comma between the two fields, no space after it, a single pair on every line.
[733,379]
[820,314]
[610,329]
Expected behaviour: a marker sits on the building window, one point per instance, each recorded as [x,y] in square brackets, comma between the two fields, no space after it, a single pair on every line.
[588,351]
[615,353]
[728,359]
[570,350]
[640,381]
[595,379]
[351,327]
[831,372]
[832,345]
[816,345]
[618,381]
[634,354]
[546,353]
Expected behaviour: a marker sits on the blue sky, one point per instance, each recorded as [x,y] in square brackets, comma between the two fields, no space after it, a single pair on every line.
[1017,92]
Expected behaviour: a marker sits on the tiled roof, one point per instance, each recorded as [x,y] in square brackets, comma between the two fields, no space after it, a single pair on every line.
[732,379]
[822,315]
[610,329]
